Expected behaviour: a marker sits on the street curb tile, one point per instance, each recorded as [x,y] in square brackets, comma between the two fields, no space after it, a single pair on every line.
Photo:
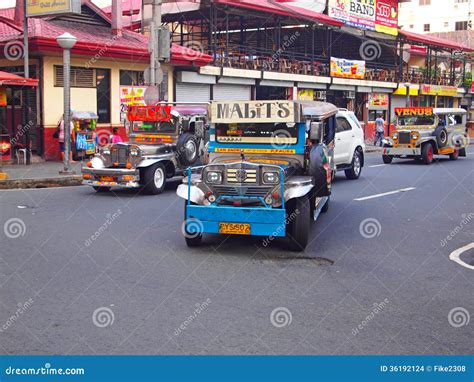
[65,181]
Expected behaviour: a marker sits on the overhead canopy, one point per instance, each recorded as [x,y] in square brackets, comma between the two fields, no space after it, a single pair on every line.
[283,10]
[434,41]
[84,115]
[14,80]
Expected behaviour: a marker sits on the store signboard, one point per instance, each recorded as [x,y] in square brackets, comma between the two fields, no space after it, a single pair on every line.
[52,7]
[342,68]
[131,96]
[439,90]
[378,101]
[374,15]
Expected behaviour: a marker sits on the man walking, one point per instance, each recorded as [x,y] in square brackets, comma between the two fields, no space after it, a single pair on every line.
[379,130]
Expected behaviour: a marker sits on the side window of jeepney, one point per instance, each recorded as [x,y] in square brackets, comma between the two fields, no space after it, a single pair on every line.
[455,119]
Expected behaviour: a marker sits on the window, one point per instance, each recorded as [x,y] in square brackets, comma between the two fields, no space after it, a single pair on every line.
[103,95]
[342,125]
[80,77]
[426,28]
[425,2]
[131,78]
[461,26]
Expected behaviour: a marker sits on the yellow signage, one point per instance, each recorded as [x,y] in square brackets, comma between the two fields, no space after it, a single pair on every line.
[52,7]
[254,151]
[439,90]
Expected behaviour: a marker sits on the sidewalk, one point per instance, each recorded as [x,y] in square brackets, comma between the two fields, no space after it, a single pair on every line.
[39,175]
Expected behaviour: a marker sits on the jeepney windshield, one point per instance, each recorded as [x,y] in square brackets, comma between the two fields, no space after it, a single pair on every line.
[417,120]
[153,127]
[258,133]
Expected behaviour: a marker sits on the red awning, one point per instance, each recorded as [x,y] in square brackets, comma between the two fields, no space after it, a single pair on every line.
[284,10]
[14,80]
[434,41]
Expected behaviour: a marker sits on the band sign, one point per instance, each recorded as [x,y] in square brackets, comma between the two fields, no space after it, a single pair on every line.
[253,112]
[149,113]
[413,111]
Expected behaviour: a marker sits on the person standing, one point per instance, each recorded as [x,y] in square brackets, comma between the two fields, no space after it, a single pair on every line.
[115,137]
[379,130]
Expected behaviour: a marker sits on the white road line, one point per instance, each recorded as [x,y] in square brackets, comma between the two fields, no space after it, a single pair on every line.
[385,194]
[455,256]
[377,165]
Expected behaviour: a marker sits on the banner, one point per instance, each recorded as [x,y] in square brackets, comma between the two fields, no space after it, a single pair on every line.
[439,90]
[378,101]
[340,67]
[374,15]
[131,96]
[52,7]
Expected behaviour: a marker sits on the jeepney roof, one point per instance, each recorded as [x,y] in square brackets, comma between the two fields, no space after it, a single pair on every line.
[448,110]
[317,108]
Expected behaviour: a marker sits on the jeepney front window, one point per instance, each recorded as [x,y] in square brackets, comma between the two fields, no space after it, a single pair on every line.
[257,133]
[153,127]
[417,120]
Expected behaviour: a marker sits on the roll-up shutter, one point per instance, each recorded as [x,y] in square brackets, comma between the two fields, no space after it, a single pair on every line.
[186,92]
[226,92]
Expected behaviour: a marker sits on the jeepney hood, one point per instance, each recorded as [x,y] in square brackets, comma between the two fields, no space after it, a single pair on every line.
[286,163]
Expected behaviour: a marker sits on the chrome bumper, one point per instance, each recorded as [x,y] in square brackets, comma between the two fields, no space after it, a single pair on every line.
[92,177]
[401,151]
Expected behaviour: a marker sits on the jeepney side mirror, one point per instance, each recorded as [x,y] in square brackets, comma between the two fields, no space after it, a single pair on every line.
[199,129]
[316,131]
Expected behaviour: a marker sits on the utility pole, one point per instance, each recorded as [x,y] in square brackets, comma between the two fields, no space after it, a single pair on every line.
[26,92]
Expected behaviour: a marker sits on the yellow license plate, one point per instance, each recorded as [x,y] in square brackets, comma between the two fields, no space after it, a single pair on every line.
[234,228]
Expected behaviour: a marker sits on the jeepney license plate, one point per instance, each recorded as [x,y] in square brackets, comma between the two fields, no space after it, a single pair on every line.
[106,179]
[234,228]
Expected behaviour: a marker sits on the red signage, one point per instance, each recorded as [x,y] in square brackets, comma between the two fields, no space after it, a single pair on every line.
[386,16]
[149,113]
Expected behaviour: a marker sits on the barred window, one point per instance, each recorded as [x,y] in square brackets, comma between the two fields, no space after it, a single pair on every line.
[80,77]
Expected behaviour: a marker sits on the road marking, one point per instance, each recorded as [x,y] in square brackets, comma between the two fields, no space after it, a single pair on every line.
[377,165]
[455,256]
[385,194]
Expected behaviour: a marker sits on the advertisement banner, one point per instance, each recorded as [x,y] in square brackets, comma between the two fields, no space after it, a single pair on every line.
[131,96]
[306,94]
[342,68]
[52,7]
[439,90]
[374,15]
[378,101]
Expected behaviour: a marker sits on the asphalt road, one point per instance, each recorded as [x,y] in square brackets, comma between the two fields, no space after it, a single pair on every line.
[111,274]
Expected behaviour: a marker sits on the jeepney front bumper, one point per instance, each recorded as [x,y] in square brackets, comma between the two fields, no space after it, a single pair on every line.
[402,151]
[111,177]
[254,221]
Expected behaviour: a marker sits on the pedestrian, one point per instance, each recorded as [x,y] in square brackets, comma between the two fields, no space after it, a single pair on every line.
[62,146]
[379,130]
[115,137]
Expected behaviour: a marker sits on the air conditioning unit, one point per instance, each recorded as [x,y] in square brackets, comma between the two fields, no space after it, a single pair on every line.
[350,94]
[320,95]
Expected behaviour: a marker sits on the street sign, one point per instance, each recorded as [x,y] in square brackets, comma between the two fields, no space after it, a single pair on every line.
[152,95]
[52,7]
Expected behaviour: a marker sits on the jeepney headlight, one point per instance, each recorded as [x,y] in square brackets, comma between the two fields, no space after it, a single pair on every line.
[395,136]
[415,136]
[271,178]
[214,177]
[134,152]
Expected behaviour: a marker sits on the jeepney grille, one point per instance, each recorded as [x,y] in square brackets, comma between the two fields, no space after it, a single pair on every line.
[237,175]
[119,155]
[404,138]
[245,191]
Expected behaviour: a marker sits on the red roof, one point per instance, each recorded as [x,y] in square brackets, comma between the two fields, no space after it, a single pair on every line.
[434,41]
[92,39]
[14,80]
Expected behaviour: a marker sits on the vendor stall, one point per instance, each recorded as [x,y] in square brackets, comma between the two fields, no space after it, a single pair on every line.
[85,136]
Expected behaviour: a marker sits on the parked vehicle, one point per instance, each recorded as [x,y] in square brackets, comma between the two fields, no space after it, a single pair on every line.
[423,132]
[269,171]
[164,141]
[349,151]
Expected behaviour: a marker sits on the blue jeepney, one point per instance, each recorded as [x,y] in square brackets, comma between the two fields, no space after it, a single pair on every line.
[269,171]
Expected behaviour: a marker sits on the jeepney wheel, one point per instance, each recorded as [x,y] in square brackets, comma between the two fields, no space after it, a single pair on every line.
[101,189]
[154,179]
[192,239]
[187,149]
[356,167]
[387,159]
[427,153]
[455,155]
[297,223]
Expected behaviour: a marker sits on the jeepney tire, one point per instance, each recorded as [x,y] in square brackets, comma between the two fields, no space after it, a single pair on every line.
[192,240]
[297,229]
[354,172]
[441,135]
[186,157]
[455,155]
[148,180]
[101,189]
[427,152]
[387,159]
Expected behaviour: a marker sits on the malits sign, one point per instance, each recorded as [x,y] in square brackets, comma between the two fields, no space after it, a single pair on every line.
[52,7]
[253,112]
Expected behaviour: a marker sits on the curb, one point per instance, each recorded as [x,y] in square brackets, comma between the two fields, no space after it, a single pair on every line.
[65,181]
